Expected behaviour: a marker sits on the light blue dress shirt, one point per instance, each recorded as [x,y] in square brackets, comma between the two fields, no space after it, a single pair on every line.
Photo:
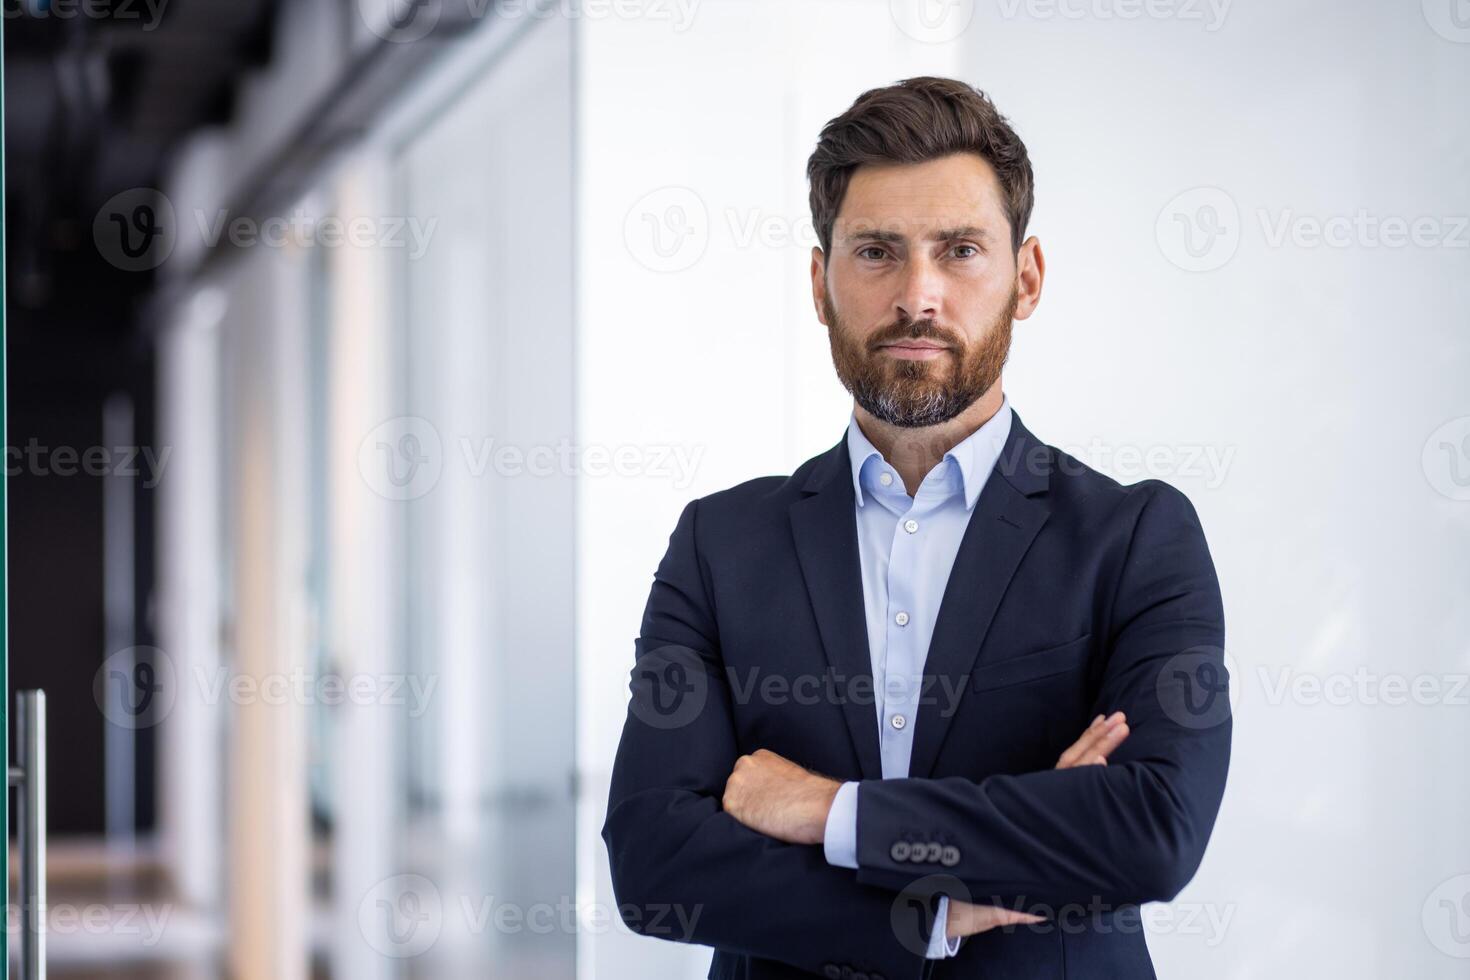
[907,546]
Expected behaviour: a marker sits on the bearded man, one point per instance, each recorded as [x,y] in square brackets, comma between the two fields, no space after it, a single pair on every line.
[944,701]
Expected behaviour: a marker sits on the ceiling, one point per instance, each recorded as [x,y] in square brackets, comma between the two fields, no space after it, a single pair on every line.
[94,104]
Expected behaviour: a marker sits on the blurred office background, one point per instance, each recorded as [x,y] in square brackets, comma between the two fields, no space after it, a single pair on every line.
[406,330]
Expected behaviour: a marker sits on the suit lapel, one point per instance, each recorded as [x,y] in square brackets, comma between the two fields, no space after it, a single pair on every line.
[1008,515]
[824,525]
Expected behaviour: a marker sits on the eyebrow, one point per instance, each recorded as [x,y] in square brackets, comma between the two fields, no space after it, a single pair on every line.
[942,235]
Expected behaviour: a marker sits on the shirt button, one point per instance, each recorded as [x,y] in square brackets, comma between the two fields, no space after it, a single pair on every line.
[885,478]
[898,721]
[911,525]
[901,619]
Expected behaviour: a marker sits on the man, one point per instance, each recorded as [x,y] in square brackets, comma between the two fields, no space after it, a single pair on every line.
[852,748]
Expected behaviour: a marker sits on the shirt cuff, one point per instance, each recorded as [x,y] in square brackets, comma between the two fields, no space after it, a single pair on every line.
[839,837]
[940,945]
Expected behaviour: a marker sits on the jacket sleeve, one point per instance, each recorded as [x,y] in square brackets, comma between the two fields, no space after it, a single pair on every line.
[1129,832]
[686,871]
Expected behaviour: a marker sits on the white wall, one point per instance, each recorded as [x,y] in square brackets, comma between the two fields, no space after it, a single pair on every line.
[262,350]
[704,345]
[1315,374]
[1296,392]
[486,369]
[1290,391]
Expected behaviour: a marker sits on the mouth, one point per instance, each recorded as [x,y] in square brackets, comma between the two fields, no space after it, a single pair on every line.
[913,350]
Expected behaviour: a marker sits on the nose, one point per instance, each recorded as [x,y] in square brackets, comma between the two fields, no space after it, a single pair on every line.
[919,293]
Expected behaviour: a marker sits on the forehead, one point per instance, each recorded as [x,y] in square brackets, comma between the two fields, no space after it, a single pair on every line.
[914,198]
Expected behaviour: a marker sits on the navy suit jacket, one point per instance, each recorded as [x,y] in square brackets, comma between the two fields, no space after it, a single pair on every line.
[1071,596]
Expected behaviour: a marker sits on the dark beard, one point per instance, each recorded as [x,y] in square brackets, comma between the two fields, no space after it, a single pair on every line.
[913,394]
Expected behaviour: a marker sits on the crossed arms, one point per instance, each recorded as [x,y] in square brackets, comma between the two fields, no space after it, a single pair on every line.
[1128,832]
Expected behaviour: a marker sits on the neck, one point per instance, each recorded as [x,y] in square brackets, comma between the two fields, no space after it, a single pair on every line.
[914,452]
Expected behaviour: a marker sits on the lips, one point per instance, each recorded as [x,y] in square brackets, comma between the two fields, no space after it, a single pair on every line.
[913,350]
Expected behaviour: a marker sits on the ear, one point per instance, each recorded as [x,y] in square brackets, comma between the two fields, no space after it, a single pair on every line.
[819,283]
[1030,271]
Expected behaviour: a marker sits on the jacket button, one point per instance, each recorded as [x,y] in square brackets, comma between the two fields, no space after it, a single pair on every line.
[935,850]
[830,971]
[950,856]
[899,851]
[846,972]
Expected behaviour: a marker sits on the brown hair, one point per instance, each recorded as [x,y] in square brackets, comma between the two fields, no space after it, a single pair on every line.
[917,120]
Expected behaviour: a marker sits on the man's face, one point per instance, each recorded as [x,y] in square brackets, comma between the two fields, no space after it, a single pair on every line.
[920,288]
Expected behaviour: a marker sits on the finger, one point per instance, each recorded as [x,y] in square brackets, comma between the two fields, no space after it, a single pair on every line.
[1104,746]
[1112,739]
[1086,746]
[1077,748]
[988,917]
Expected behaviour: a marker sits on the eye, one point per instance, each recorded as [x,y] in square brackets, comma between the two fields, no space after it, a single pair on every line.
[970,249]
[866,252]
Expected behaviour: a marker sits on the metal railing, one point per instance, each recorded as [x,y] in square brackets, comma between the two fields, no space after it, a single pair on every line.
[28,778]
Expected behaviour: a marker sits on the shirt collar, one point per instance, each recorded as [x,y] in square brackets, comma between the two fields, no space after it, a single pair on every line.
[974,456]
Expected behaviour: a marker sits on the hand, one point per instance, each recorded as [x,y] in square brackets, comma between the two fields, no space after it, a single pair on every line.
[775,796]
[966,919]
[1098,742]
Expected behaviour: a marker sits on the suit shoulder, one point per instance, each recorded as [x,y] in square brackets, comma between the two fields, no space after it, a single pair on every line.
[761,491]
[1078,482]
[742,496]
[754,506]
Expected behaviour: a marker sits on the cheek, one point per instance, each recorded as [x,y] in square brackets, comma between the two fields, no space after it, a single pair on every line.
[980,294]
[977,306]
[858,296]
